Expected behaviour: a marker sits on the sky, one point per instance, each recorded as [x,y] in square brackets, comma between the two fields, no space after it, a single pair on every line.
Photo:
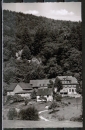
[58,11]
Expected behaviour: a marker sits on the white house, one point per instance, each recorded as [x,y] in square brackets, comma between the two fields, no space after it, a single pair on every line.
[44,94]
[23,89]
[69,85]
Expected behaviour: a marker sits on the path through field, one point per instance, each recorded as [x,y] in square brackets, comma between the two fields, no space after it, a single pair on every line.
[41,117]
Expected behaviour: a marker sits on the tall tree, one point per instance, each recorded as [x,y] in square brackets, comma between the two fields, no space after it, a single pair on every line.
[38,43]
[26,54]
[58,84]
[26,37]
[51,84]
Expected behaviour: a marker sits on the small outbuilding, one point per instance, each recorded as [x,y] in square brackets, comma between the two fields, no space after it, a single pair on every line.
[44,94]
[23,89]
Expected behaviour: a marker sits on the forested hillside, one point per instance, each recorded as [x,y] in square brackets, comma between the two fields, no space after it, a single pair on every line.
[57,43]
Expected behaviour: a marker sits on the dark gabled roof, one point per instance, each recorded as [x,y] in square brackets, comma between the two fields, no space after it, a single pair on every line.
[12,86]
[43,92]
[24,86]
[44,82]
[24,92]
[70,78]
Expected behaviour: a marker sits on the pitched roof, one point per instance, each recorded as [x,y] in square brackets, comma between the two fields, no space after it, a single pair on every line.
[73,79]
[24,92]
[24,86]
[41,82]
[45,82]
[12,86]
[43,92]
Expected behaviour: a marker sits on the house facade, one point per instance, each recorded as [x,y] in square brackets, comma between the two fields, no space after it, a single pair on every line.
[43,83]
[25,93]
[23,89]
[69,85]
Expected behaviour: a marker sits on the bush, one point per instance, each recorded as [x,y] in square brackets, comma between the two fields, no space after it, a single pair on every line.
[33,95]
[79,119]
[53,111]
[9,97]
[15,98]
[53,105]
[61,118]
[29,113]
[58,97]
[26,101]
[69,103]
[12,114]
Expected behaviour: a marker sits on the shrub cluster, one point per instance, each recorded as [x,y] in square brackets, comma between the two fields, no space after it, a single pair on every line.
[69,102]
[29,113]
[79,119]
[53,111]
[14,98]
[12,114]
[26,101]
[53,105]
[58,97]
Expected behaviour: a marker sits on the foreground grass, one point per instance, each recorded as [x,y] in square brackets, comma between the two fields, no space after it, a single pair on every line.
[68,108]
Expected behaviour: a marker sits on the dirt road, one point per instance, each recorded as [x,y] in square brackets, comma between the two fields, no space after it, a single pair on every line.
[41,117]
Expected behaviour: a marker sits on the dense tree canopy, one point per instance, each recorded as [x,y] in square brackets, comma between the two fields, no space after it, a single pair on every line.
[58,44]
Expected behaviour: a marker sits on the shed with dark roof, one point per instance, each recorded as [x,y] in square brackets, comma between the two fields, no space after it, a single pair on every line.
[45,93]
[17,88]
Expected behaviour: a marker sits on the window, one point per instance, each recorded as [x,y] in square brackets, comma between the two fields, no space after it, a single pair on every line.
[69,90]
[70,81]
[73,90]
[65,93]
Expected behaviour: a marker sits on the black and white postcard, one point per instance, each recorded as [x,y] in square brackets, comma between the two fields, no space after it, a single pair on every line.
[42,65]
